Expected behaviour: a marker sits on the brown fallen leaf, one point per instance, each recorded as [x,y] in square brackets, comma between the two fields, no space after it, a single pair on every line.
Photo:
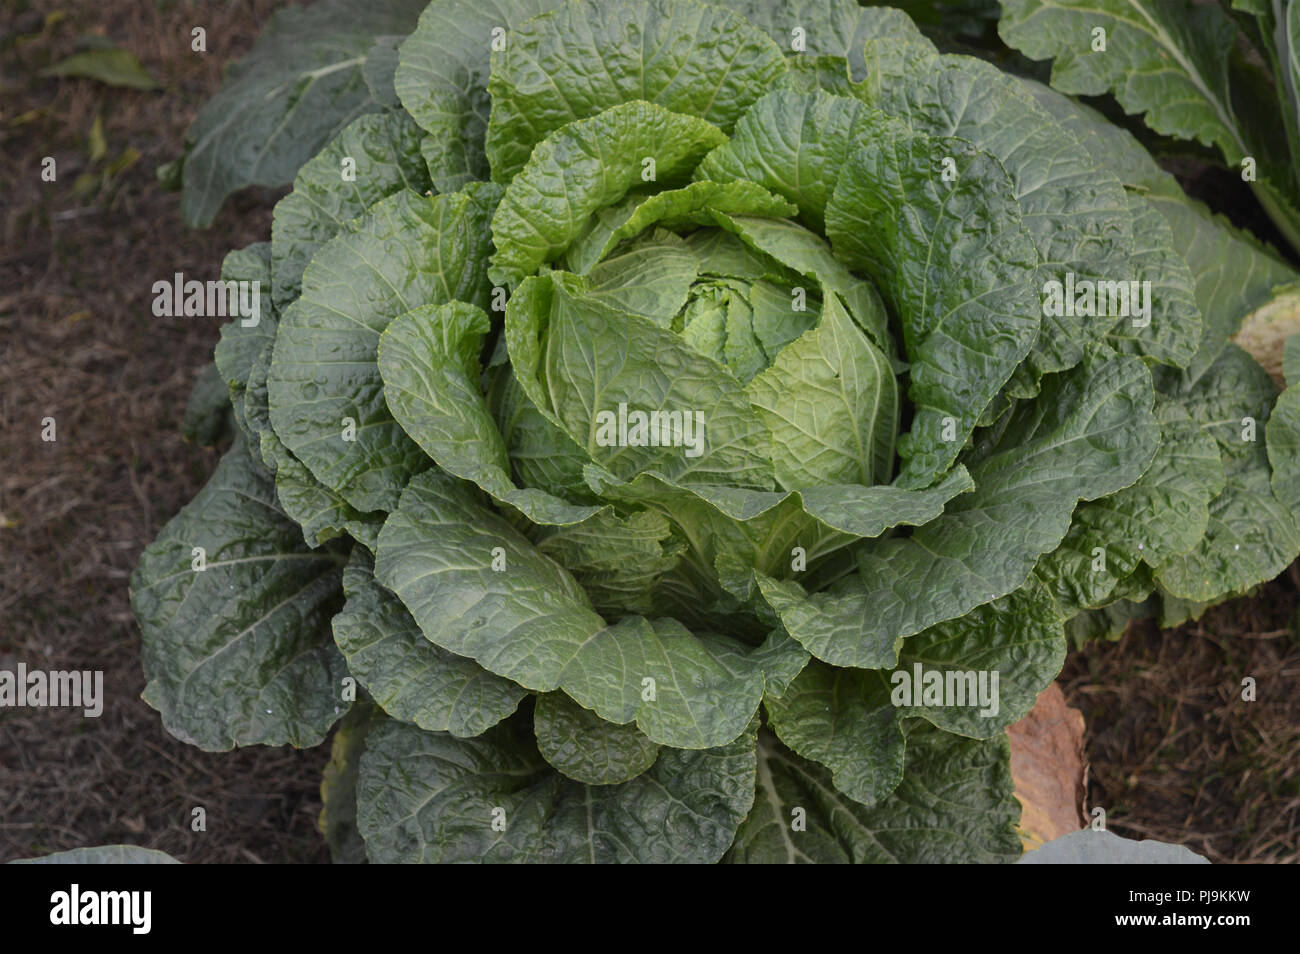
[1048,766]
[1264,331]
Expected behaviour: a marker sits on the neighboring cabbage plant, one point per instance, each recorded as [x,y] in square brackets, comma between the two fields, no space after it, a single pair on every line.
[671,385]
[1225,73]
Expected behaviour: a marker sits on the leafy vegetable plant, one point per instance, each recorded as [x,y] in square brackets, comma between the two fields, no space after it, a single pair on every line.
[1224,74]
[672,390]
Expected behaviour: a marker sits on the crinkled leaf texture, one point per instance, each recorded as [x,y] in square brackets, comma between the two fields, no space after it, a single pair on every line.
[531,622]
[1178,64]
[302,82]
[408,250]
[1076,213]
[243,339]
[574,173]
[429,797]
[407,676]
[844,719]
[442,78]
[585,747]
[429,362]
[580,637]
[692,58]
[950,254]
[1090,433]
[954,805]
[381,153]
[1250,532]
[239,652]
[1168,61]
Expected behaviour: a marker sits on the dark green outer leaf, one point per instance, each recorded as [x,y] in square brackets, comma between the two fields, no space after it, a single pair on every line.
[584,747]
[478,588]
[409,677]
[1090,433]
[1168,61]
[1284,448]
[241,343]
[322,513]
[541,455]
[378,70]
[436,552]
[1251,536]
[1164,514]
[1076,214]
[837,28]
[843,719]
[1232,389]
[1110,621]
[256,424]
[1234,273]
[954,805]
[240,653]
[618,560]
[427,797]
[301,83]
[1176,326]
[1019,638]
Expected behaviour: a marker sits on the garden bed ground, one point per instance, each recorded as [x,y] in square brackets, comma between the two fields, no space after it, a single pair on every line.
[1175,754]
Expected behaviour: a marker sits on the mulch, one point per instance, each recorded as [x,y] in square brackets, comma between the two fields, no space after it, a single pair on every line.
[79,343]
[1176,752]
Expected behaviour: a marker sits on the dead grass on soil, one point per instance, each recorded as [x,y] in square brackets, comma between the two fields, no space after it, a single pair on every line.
[1175,752]
[79,343]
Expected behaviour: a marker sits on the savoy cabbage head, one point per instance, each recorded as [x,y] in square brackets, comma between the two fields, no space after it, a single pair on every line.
[677,405]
